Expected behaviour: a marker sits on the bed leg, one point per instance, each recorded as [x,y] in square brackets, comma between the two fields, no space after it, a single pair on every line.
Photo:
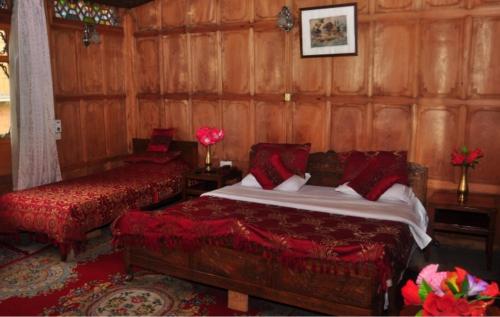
[63,251]
[128,266]
[237,301]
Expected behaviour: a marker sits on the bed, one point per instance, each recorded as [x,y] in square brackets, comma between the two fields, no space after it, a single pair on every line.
[65,212]
[278,252]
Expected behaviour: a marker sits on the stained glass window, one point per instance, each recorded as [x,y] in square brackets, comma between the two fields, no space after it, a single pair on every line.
[86,11]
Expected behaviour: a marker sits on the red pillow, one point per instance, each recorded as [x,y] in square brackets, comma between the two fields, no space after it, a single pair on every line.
[355,162]
[153,157]
[273,174]
[160,140]
[293,156]
[381,172]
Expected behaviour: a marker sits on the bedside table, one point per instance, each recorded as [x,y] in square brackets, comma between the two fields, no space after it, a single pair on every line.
[475,217]
[199,181]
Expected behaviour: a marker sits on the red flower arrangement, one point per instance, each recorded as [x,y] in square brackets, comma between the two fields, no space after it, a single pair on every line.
[455,293]
[208,136]
[466,158]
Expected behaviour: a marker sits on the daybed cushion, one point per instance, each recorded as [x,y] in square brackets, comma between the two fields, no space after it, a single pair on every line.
[66,210]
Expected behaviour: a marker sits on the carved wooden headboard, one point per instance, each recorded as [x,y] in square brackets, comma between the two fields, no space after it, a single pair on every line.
[326,170]
[188,149]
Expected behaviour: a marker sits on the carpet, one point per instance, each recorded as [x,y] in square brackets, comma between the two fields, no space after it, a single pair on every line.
[94,284]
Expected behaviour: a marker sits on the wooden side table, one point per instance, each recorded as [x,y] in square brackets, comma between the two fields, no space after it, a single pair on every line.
[198,181]
[476,216]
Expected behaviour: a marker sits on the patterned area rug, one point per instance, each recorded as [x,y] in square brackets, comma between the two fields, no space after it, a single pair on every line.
[93,284]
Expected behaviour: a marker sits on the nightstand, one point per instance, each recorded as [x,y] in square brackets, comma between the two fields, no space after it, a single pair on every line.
[475,217]
[199,181]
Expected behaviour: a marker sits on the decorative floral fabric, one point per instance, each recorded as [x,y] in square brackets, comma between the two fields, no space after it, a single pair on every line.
[153,157]
[65,211]
[355,162]
[293,156]
[274,174]
[292,236]
[160,140]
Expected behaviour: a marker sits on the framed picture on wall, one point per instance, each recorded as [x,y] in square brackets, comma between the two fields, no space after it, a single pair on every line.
[329,30]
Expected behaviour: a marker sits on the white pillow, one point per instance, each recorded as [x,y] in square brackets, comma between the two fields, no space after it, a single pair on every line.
[346,189]
[396,192]
[250,181]
[293,184]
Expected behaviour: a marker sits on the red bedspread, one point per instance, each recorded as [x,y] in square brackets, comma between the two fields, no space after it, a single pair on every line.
[66,210]
[293,236]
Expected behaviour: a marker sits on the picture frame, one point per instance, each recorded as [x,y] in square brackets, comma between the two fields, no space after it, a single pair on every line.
[329,31]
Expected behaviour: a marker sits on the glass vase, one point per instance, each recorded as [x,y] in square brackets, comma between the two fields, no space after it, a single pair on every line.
[463,185]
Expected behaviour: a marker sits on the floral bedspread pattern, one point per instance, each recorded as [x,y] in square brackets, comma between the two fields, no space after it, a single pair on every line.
[66,210]
[293,236]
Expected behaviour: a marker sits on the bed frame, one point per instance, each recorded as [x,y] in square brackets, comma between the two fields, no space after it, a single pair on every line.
[244,274]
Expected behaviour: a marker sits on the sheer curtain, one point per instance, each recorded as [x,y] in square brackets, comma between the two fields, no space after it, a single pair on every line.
[34,151]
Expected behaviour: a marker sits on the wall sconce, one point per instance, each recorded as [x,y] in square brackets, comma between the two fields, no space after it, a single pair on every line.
[285,19]
[90,35]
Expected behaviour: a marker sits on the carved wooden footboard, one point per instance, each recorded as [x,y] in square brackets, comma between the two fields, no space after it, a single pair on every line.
[247,274]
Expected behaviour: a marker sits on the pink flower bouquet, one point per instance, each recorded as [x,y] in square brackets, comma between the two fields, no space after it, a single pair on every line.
[455,293]
[208,136]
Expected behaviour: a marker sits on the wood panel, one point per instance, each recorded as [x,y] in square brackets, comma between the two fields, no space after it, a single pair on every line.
[202,12]
[441,58]
[149,116]
[204,48]
[350,74]
[173,13]
[348,127]
[238,133]
[483,132]
[391,126]
[147,16]
[113,66]
[91,79]
[175,63]
[64,61]
[265,9]
[115,122]
[235,11]
[269,61]
[235,74]
[485,69]
[307,116]
[394,42]
[177,116]
[93,122]
[70,147]
[147,65]
[439,128]
[270,122]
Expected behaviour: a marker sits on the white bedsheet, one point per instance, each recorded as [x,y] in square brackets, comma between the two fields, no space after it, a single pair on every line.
[326,199]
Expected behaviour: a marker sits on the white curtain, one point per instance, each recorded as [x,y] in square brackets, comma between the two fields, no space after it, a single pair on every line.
[34,151]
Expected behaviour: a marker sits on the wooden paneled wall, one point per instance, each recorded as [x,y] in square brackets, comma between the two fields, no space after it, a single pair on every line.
[90,96]
[426,79]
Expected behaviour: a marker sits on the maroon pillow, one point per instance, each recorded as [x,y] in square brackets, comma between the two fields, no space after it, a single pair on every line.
[293,156]
[160,140]
[381,172]
[273,174]
[153,157]
[355,162]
